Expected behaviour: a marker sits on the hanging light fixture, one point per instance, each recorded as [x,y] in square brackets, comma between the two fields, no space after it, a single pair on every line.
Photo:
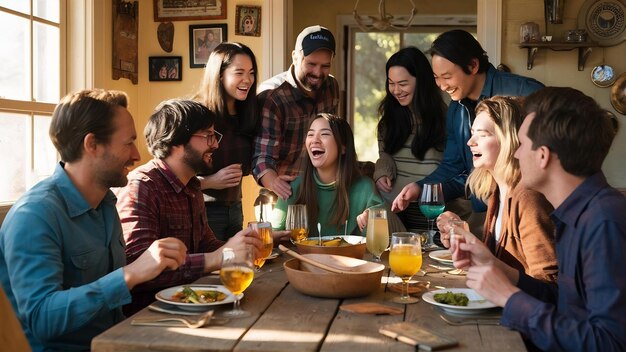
[264,204]
[384,19]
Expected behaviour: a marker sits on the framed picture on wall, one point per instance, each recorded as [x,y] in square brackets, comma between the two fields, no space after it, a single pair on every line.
[181,10]
[165,68]
[248,20]
[203,38]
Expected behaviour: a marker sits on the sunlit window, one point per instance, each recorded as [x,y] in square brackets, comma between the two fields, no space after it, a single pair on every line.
[30,87]
[370,52]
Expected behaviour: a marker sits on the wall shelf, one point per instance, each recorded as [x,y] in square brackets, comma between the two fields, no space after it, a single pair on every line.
[584,49]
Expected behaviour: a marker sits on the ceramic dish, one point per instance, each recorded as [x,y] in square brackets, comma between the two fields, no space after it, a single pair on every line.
[618,94]
[604,20]
[442,256]
[477,304]
[166,297]
[603,76]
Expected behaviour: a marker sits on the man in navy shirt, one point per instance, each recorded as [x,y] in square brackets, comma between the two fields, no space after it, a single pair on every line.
[564,140]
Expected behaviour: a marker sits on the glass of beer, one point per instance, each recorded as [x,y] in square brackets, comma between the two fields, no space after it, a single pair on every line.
[236,274]
[405,259]
[377,235]
[264,232]
[297,222]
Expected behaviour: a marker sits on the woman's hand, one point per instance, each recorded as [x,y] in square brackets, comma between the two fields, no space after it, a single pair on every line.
[361,219]
[384,184]
[443,224]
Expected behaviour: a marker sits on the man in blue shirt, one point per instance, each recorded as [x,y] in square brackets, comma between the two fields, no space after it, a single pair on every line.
[564,140]
[61,245]
[462,70]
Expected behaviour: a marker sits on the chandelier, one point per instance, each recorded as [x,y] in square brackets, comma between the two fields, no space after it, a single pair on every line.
[384,20]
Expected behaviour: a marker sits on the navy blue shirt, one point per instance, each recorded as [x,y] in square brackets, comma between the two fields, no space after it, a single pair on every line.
[586,310]
[457,160]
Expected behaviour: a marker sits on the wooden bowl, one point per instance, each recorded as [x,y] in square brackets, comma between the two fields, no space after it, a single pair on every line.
[356,249]
[317,282]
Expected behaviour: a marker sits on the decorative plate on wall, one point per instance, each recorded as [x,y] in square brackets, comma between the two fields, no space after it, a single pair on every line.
[605,21]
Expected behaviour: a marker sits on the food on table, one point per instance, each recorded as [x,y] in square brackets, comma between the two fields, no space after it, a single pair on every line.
[189,295]
[451,298]
[335,242]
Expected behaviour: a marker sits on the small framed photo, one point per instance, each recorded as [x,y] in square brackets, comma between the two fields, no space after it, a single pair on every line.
[203,38]
[182,10]
[248,20]
[165,68]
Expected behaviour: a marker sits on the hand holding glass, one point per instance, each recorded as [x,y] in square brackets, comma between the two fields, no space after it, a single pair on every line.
[377,236]
[236,275]
[405,259]
[297,222]
[456,239]
[431,205]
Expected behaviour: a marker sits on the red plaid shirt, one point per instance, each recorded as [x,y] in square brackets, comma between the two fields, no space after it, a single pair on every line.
[285,114]
[154,205]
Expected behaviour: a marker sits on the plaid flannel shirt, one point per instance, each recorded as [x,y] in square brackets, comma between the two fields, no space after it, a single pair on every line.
[285,114]
[155,205]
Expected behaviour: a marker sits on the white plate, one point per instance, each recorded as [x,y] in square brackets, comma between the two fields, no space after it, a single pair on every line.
[477,304]
[166,297]
[441,256]
[274,255]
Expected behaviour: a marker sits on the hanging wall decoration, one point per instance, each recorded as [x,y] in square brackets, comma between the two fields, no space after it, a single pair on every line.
[165,34]
[125,39]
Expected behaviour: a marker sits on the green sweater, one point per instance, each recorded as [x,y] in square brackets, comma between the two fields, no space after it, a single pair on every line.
[362,195]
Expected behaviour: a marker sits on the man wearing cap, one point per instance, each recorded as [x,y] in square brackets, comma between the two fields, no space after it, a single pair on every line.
[288,100]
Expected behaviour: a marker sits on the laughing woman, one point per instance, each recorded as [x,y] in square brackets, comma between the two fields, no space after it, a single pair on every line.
[330,183]
[518,229]
[229,89]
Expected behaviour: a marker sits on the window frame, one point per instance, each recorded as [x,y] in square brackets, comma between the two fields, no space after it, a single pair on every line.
[32,109]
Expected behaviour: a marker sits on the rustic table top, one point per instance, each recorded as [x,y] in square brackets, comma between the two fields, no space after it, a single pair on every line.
[284,319]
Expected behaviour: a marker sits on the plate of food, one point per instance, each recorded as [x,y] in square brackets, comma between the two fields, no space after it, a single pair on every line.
[442,256]
[195,297]
[458,301]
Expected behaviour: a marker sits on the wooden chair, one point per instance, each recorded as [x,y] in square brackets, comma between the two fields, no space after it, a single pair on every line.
[12,336]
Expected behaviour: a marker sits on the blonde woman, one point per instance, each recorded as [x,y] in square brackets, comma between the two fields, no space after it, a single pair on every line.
[518,229]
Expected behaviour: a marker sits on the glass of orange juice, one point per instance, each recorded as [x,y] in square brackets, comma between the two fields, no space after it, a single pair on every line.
[405,259]
[297,222]
[264,232]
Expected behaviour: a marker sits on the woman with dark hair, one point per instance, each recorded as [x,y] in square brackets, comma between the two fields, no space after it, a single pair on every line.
[330,184]
[411,130]
[229,90]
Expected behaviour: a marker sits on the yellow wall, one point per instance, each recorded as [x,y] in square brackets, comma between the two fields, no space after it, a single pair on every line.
[561,68]
[145,95]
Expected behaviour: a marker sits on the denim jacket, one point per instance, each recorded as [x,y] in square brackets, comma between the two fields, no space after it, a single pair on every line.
[457,159]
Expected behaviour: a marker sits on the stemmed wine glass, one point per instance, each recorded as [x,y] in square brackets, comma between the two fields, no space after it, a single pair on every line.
[377,236]
[264,232]
[405,259]
[236,274]
[431,205]
[297,222]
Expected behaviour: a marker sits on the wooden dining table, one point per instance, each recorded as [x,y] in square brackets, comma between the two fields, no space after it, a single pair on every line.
[284,319]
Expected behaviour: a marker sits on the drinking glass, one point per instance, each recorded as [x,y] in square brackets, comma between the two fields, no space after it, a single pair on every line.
[297,222]
[236,274]
[264,232]
[455,239]
[405,259]
[431,205]
[377,236]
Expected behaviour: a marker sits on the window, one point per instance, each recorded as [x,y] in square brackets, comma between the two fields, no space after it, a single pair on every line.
[30,87]
[369,52]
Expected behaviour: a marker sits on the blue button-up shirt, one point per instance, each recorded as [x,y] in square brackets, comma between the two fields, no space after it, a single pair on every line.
[457,158]
[586,310]
[60,264]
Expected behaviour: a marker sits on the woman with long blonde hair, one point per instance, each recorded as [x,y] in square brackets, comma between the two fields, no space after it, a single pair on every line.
[518,228]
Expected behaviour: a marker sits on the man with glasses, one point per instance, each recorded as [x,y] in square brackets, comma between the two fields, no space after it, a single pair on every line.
[163,197]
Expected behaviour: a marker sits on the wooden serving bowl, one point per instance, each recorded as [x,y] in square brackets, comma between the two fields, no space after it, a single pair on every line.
[364,278]
[356,249]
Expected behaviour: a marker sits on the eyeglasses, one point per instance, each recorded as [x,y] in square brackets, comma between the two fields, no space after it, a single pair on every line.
[211,138]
